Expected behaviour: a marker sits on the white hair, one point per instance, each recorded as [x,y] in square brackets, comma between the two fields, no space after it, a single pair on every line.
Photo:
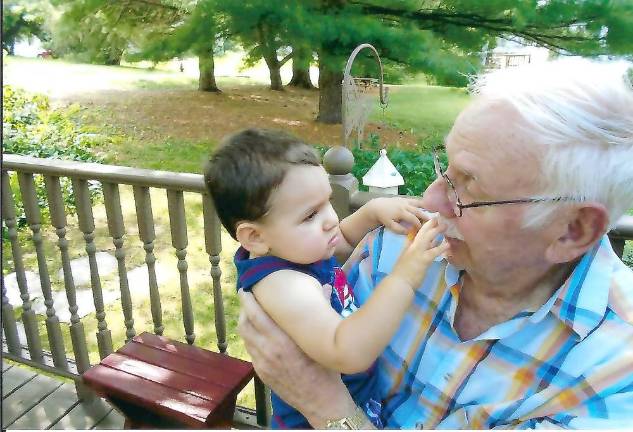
[580,116]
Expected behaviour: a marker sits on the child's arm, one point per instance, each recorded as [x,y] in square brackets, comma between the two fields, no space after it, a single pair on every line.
[296,302]
[390,212]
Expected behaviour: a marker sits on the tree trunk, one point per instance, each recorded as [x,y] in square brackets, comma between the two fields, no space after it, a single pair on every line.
[274,69]
[206,66]
[300,71]
[113,56]
[330,93]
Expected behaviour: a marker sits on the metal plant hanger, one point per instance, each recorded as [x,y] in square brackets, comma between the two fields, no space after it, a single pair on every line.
[357,97]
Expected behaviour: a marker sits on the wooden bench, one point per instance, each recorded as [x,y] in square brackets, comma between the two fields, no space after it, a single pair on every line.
[161,384]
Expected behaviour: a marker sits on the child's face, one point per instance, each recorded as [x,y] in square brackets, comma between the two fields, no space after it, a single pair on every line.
[301,225]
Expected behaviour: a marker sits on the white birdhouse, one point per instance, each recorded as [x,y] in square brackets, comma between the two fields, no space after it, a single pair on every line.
[383,177]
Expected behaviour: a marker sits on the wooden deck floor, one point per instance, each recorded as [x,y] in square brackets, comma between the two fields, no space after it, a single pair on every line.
[34,401]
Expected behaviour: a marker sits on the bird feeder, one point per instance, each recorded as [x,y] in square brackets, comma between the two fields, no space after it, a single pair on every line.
[383,177]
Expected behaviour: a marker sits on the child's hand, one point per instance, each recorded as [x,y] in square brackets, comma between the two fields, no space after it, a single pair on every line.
[418,255]
[399,214]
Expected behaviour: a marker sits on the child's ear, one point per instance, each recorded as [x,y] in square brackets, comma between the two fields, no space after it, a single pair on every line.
[250,237]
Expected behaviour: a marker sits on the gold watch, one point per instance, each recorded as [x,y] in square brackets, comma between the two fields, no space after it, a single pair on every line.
[358,420]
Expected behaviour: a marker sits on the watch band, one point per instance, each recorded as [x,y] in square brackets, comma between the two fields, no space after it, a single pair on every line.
[358,420]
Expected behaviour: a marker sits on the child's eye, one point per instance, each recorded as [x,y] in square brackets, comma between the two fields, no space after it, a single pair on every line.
[311,216]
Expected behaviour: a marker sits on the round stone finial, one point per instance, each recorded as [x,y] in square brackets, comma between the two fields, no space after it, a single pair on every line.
[338,160]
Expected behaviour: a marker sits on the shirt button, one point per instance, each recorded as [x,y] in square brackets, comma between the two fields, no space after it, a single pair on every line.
[448,376]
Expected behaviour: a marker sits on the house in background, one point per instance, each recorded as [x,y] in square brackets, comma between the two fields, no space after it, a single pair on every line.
[510,54]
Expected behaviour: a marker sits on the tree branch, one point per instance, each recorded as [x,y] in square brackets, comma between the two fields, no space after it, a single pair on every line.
[285,59]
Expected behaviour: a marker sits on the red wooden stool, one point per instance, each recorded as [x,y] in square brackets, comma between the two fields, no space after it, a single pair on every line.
[160,383]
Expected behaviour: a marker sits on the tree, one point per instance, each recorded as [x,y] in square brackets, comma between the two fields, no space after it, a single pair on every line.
[301,59]
[102,31]
[197,31]
[262,28]
[444,38]
[21,21]
[154,30]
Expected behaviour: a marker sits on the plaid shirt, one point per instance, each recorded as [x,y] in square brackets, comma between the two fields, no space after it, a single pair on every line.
[568,364]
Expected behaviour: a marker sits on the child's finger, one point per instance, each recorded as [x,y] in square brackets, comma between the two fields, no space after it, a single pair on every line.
[428,233]
[439,249]
[420,213]
[410,216]
[396,227]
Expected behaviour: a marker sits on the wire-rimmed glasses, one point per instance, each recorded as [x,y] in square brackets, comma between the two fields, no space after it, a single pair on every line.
[458,206]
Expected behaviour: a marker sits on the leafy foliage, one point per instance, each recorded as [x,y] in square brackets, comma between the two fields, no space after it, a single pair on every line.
[31,128]
[415,167]
[22,20]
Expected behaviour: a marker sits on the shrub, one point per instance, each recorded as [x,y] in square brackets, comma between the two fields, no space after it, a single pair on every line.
[31,127]
[415,167]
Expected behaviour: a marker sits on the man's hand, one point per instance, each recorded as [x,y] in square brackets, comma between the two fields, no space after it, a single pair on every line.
[318,393]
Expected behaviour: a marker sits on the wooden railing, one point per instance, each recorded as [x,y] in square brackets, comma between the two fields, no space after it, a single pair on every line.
[111,178]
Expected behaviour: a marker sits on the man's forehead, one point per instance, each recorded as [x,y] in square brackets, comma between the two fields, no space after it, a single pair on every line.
[489,127]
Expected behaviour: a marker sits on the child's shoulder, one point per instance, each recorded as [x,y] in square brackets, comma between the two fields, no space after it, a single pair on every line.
[287,279]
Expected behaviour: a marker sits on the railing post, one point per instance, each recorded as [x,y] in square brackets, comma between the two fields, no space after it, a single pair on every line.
[178,225]
[33,218]
[145,219]
[338,162]
[9,327]
[213,246]
[77,334]
[29,199]
[116,228]
[263,407]
[87,227]
[8,317]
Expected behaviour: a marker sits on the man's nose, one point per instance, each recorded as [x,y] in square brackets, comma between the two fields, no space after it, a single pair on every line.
[435,199]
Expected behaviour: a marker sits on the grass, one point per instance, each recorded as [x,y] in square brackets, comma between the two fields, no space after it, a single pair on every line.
[427,112]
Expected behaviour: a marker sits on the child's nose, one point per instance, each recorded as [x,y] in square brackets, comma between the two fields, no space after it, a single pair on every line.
[331,219]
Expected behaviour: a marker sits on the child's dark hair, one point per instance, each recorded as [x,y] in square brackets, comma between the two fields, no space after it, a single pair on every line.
[248,165]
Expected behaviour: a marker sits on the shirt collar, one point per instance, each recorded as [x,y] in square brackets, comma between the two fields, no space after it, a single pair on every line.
[581,302]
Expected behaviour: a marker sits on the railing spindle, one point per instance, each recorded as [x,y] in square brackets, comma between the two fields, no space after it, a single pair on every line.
[179,241]
[263,406]
[29,320]
[145,218]
[58,220]
[33,218]
[117,230]
[9,327]
[87,227]
[213,246]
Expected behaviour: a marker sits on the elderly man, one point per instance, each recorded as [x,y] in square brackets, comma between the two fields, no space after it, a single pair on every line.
[529,320]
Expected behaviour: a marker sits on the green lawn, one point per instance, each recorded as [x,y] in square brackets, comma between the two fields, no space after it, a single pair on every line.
[426,111]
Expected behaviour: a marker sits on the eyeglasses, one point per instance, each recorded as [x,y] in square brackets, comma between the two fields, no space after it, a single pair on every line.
[458,206]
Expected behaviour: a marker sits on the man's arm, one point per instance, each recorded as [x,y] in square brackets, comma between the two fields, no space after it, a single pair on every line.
[318,393]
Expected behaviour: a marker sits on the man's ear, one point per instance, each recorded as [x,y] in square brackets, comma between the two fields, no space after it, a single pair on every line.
[582,228]
[249,234]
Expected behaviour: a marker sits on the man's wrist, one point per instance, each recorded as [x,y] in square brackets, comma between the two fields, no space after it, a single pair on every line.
[356,420]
